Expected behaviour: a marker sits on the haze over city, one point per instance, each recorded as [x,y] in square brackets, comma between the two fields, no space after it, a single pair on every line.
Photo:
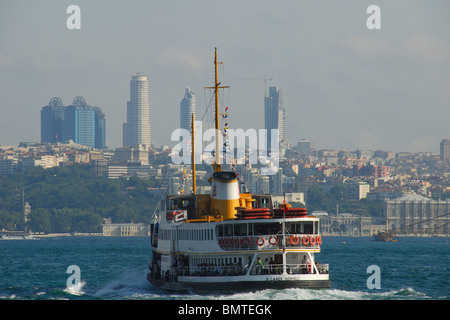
[344,86]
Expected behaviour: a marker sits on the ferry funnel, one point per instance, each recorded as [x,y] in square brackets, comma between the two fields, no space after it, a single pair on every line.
[224,194]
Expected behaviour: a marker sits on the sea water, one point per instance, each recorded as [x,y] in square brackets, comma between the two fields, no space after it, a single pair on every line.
[115,268]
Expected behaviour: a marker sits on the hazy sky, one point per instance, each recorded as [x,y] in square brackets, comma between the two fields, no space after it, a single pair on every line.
[344,86]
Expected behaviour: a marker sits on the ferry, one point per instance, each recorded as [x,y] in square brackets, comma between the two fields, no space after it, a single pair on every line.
[229,241]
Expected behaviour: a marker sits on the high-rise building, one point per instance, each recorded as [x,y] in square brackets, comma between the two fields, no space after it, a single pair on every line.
[79,122]
[445,150]
[305,147]
[136,131]
[187,108]
[52,118]
[274,114]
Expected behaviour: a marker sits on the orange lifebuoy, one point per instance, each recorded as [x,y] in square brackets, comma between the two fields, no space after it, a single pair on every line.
[294,239]
[309,267]
[319,240]
[312,240]
[270,240]
[259,243]
[305,240]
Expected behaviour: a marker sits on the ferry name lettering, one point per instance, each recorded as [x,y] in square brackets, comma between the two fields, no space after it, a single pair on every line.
[280,278]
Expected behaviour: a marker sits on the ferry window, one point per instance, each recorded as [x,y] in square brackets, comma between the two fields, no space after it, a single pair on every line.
[267,228]
[250,229]
[240,229]
[219,231]
[228,231]
[308,228]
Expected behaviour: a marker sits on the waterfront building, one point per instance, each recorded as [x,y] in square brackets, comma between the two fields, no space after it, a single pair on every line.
[344,224]
[136,131]
[416,215]
[124,229]
[187,108]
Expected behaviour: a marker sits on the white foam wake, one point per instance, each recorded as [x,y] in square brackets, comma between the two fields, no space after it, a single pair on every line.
[76,289]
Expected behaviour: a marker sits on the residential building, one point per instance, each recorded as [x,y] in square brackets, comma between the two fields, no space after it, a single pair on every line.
[305,147]
[445,150]
[357,190]
[290,197]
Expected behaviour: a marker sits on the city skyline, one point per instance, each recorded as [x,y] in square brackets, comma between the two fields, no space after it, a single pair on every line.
[344,86]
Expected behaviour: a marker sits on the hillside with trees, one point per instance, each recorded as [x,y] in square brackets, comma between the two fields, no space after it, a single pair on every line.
[68,199]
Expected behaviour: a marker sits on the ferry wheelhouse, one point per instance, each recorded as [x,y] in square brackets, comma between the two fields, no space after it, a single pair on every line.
[228,241]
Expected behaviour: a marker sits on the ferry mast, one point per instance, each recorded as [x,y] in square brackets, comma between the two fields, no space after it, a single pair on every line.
[216,165]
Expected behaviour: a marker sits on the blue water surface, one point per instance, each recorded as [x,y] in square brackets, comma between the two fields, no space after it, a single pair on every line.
[116,268]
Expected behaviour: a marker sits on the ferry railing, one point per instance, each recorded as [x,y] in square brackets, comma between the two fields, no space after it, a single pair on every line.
[204,270]
[271,241]
[211,270]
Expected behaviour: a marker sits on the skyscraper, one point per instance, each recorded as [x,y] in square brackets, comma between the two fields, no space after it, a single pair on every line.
[274,114]
[85,124]
[187,108]
[52,118]
[79,122]
[136,131]
[445,150]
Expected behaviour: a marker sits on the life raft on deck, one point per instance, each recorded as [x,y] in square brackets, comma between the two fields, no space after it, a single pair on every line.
[253,213]
[289,212]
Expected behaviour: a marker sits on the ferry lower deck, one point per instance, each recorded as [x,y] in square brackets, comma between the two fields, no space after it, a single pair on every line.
[234,255]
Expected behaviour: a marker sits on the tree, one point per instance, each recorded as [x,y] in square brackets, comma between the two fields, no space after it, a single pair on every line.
[40,220]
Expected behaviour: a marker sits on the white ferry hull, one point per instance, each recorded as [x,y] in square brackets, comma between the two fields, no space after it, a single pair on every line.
[234,284]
